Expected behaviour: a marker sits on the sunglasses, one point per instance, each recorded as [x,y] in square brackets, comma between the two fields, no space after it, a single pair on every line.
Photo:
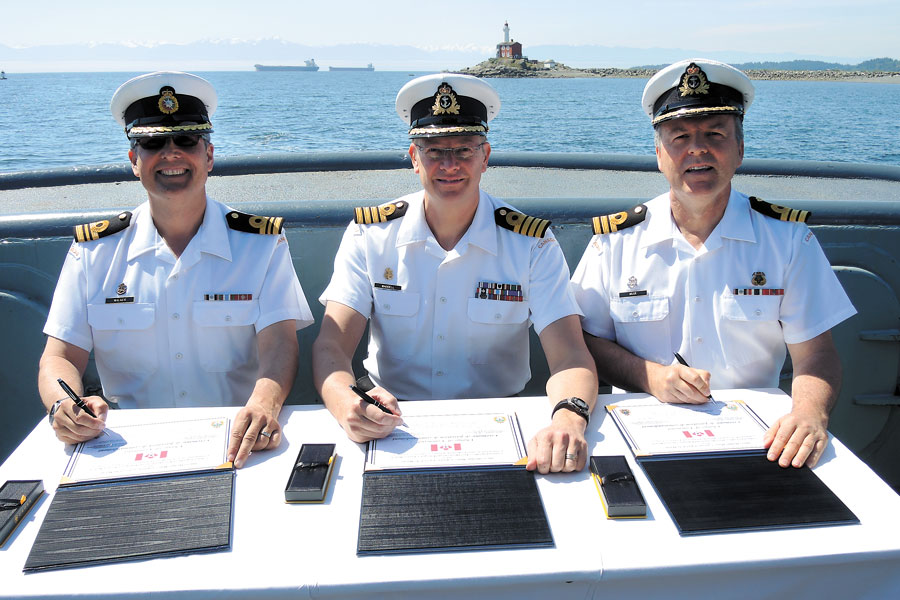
[156,143]
[460,153]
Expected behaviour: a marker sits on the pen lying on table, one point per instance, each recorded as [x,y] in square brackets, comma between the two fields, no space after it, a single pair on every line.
[683,362]
[76,399]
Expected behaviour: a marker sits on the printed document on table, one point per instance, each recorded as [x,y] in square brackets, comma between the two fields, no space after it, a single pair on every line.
[652,427]
[449,441]
[150,449]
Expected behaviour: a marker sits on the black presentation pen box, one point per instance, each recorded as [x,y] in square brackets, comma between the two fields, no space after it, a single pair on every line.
[11,493]
[618,489]
[311,473]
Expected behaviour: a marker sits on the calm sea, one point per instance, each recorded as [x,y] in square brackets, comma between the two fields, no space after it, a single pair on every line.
[63,120]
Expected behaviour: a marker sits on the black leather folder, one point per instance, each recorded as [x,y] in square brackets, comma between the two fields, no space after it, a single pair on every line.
[451,509]
[135,518]
[720,492]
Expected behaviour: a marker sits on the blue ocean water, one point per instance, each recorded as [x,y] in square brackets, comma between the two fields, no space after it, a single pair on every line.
[62,120]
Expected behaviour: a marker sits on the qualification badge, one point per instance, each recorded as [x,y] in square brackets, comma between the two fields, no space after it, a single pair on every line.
[758,278]
[445,101]
[693,81]
[121,289]
[388,273]
[167,103]
[632,282]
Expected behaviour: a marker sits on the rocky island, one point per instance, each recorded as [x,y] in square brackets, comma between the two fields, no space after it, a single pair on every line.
[523,67]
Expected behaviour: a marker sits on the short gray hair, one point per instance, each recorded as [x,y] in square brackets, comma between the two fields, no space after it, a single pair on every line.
[738,131]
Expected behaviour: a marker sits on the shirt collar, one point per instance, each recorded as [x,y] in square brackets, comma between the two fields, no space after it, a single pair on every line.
[482,231]
[661,226]
[735,223]
[211,237]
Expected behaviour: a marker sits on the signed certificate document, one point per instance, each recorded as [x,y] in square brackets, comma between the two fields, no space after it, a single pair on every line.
[150,449]
[449,441]
[653,428]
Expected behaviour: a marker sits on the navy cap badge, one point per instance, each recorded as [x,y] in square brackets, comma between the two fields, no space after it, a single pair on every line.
[445,101]
[168,103]
[758,278]
[693,81]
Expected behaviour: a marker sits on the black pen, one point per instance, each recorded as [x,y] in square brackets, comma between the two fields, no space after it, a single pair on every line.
[11,503]
[370,399]
[681,360]
[78,401]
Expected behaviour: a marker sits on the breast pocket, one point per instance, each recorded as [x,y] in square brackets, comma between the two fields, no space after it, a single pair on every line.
[124,336]
[749,321]
[643,326]
[497,331]
[226,334]
[396,321]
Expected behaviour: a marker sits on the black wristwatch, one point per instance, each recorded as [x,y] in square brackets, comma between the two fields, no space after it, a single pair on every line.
[53,410]
[576,405]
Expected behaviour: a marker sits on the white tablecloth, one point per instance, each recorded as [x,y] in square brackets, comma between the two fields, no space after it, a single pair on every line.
[309,550]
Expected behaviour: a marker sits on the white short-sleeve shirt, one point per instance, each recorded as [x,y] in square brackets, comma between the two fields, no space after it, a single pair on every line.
[646,288]
[173,332]
[431,335]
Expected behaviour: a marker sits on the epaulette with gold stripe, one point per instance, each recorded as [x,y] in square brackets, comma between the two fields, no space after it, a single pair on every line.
[521,223]
[253,224]
[782,213]
[366,215]
[620,220]
[89,232]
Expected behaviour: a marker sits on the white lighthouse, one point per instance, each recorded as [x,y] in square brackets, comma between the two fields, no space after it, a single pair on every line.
[506,32]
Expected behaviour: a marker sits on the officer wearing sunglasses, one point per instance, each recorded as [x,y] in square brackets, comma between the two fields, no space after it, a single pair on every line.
[449,280]
[183,300]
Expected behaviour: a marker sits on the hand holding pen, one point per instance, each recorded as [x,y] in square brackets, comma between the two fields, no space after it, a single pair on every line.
[370,400]
[683,362]
[79,402]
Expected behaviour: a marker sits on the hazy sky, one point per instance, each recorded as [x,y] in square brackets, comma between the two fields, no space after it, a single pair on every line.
[853,28]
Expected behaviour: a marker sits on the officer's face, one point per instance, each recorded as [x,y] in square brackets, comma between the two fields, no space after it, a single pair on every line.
[699,156]
[173,169]
[449,177]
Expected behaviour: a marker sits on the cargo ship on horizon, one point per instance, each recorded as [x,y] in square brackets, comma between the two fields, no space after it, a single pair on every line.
[309,66]
[366,68]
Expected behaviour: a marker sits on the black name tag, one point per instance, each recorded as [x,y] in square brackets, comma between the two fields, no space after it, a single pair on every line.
[120,300]
[632,294]
[388,286]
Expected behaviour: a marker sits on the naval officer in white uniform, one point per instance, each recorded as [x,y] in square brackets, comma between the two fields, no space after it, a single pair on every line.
[183,301]
[449,280]
[722,279]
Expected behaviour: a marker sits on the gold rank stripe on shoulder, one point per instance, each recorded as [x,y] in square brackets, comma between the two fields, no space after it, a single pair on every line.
[366,215]
[782,213]
[254,224]
[88,232]
[619,221]
[521,223]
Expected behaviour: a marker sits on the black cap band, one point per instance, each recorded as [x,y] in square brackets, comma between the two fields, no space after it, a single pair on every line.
[166,114]
[467,113]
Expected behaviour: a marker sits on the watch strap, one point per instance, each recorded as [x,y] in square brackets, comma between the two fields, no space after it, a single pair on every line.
[568,404]
[53,410]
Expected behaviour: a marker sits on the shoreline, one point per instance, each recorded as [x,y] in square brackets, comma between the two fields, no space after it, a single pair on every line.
[516,68]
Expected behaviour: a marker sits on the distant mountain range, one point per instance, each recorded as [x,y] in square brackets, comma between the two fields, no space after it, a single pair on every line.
[242,55]
[875,64]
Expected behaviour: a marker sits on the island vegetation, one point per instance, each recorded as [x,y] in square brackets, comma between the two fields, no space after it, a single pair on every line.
[878,69]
